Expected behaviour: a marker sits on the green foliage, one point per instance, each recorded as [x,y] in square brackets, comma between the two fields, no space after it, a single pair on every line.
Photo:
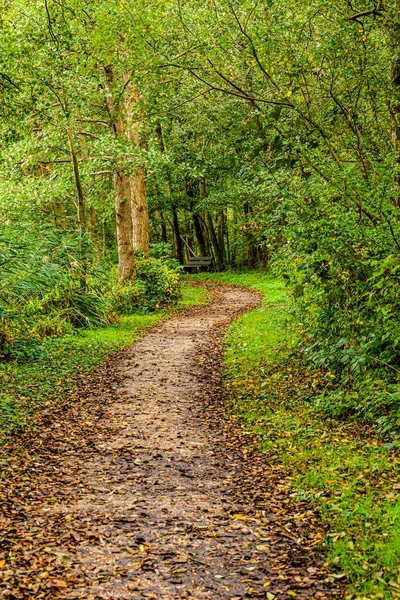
[157,284]
[160,283]
[126,297]
[50,285]
[346,316]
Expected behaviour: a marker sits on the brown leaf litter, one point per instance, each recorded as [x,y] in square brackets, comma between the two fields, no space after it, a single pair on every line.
[139,487]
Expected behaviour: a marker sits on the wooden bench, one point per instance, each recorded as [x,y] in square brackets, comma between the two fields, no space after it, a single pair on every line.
[199,263]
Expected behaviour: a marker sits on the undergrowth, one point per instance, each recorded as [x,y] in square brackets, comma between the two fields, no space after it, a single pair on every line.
[345,470]
[53,370]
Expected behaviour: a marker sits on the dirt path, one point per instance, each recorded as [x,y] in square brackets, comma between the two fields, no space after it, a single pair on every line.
[142,490]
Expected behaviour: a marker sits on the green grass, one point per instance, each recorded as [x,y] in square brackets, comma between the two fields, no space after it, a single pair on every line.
[344,471]
[53,371]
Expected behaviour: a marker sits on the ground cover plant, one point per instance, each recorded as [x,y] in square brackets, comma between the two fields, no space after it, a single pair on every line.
[344,470]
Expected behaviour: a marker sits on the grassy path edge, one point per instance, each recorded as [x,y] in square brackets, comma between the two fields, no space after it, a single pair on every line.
[49,377]
[340,470]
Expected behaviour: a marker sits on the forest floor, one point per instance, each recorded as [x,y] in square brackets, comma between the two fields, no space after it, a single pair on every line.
[141,487]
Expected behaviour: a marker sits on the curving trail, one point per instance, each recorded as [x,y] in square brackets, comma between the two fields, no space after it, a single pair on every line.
[151,493]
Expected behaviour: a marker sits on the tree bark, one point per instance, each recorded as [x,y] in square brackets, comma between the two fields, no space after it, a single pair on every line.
[199,234]
[252,254]
[177,236]
[140,210]
[395,80]
[219,259]
[123,214]
[122,188]
[221,234]
[84,156]
[78,183]
[140,213]
[164,234]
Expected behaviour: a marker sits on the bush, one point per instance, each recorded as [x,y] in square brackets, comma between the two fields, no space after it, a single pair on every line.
[156,285]
[126,297]
[50,285]
[161,283]
[165,252]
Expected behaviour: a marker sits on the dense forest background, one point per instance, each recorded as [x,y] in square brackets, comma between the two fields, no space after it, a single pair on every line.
[266,134]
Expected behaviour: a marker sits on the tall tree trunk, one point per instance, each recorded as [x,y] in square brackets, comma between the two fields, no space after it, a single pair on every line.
[199,234]
[214,240]
[228,245]
[122,188]
[84,156]
[78,183]
[140,210]
[123,213]
[104,238]
[252,254]
[140,213]
[164,234]
[177,236]
[221,234]
[93,219]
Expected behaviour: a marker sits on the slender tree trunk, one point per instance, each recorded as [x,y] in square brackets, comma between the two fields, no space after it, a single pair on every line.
[123,205]
[252,249]
[78,183]
[199,234]
[84,156]
[93,219]
[104,238]
[214,240]
[221,234]
[228,245]
[177,236]
[234,240]
[164,234]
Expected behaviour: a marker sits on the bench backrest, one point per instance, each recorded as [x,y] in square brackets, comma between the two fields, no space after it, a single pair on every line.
[195,260]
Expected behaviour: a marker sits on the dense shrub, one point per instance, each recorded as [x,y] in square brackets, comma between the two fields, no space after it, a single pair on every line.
[156,285]
[166,253]
[346,308]
[160,281]
[50,284]
[126,297]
